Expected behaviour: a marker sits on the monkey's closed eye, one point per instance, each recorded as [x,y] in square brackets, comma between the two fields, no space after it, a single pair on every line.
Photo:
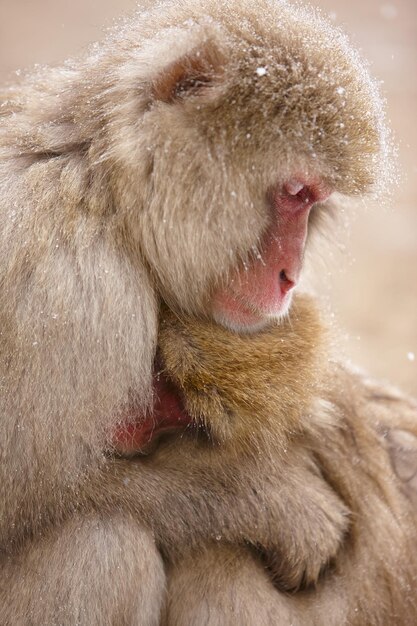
[190,85]
[178,82]
[187,76]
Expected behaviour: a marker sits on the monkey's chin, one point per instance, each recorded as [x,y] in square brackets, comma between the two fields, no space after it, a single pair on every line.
[242,317]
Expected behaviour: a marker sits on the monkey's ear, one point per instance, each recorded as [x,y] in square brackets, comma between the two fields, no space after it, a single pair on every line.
[403,450]
[190,75]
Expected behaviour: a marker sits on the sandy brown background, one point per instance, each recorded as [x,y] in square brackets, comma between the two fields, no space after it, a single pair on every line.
[373,291]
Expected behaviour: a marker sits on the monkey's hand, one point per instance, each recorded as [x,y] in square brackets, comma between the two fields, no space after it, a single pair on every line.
[191,495]
[303,525]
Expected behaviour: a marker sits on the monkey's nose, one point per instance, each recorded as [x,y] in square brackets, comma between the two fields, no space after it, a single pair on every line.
[285,283]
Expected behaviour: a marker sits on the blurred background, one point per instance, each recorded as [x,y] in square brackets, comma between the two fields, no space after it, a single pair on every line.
[372,288]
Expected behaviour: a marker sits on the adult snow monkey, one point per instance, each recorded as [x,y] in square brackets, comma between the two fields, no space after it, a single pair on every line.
[176,165]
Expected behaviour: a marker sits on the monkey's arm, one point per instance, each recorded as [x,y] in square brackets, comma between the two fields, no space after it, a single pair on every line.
[252,394]
[227,581]
[217,583]
[190,495]
[62,285]
[251,471]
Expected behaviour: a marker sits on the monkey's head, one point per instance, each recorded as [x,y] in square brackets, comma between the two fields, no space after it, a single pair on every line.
[208,132]
[239,390]
[229,122]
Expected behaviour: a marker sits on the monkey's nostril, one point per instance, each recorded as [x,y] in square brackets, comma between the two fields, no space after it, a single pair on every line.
[285,283]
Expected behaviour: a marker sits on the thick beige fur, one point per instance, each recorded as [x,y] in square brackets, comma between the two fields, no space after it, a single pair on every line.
[362,438]
[113,198]
[345,432]
[325,498]
[134,179]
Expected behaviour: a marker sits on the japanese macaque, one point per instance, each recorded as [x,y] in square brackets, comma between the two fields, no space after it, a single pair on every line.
[173,173]
[352,435]
[270,488]
[360,438]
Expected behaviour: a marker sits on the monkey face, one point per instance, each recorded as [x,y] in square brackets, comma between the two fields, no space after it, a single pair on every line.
[245,125]
[262,288]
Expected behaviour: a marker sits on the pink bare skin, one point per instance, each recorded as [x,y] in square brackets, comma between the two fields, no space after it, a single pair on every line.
[258,291]
[137,432]
[263,289]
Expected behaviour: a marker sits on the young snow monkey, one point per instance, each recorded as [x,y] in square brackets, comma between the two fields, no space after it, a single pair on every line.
[327,462]
[176,445]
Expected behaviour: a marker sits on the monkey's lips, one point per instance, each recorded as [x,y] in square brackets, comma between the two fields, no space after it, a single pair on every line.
[234,312]
[137,433]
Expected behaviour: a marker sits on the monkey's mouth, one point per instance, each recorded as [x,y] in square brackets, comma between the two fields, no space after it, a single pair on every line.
[138,433]
[260,288]
[240,315]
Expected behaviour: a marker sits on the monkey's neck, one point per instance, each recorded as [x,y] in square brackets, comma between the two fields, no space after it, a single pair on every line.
[138,432]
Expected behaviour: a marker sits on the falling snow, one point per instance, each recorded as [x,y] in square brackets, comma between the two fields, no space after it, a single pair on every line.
[261,71]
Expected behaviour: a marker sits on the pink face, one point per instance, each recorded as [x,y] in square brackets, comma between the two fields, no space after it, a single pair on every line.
[263,288]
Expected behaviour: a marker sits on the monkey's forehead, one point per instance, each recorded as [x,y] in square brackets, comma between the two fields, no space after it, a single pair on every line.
[282,36]
[285,80]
